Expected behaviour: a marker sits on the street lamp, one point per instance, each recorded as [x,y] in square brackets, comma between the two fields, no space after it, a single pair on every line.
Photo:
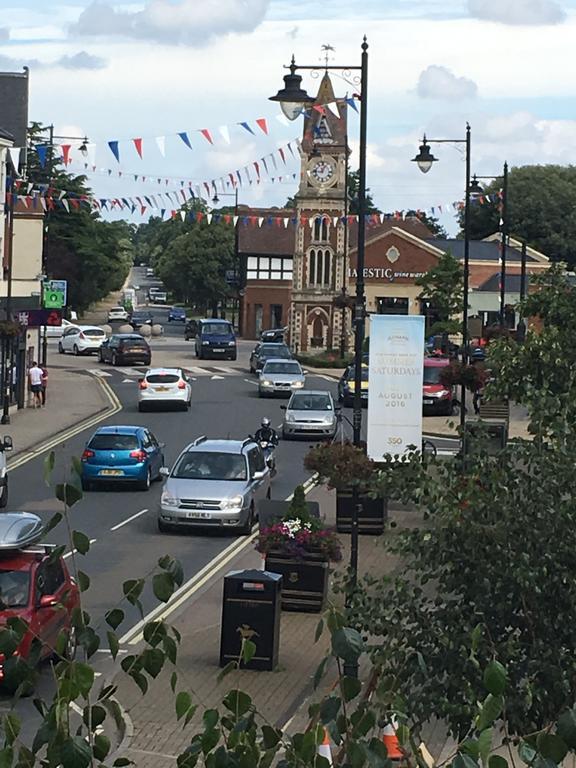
[293,100]
[476,189]
[216,200]
[425,160]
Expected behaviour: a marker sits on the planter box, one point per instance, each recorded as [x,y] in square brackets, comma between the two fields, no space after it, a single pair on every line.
[304,580]
[372,519]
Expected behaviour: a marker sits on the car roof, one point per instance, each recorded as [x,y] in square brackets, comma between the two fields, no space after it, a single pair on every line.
[118,430]
[129,336]
[219,446]
[218,320]
[312,392]
[280,360]
[88,327]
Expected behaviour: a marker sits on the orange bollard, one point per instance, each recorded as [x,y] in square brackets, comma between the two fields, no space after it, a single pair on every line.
[391,741]
[324,748]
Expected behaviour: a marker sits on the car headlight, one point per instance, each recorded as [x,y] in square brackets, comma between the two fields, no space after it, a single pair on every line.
[231,343]
[441,393]
[236,502]
[267,383]
[169,500]
[297,384]
[290,417]
[205,343]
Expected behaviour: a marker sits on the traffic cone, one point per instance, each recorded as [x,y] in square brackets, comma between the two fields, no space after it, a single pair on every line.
[391,741]
[324,748]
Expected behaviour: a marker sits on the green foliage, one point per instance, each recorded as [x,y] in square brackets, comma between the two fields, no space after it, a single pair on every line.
[540,204]
[93,255]
[443,287]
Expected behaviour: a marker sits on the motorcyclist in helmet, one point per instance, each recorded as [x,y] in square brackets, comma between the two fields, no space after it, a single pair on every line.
[266,434]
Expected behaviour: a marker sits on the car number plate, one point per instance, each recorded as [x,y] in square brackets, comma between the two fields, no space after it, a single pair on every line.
[196,515]
[428,402]
[111,472]
[215,349]
[161,389]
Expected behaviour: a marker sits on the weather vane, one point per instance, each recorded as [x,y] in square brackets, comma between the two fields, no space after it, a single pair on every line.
[326,51]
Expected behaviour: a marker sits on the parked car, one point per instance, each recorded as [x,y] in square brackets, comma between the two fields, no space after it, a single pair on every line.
[123,454]
[35,587]
[436,398]
[141,317]
[215,484]
[177,315]
[310,413]
[123,348]
[263,352]
[215,338]
[56,331]
[190,329]
[280,377]
[5,445]
[81,340]
[116,314]
[274,335]
[163,386]
[347,385]
[149,272]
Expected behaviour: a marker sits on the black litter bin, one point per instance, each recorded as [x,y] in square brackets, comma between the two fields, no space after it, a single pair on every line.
[251,610]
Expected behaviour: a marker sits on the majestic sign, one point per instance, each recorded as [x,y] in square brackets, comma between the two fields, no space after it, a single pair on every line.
[385,273]
[395,379]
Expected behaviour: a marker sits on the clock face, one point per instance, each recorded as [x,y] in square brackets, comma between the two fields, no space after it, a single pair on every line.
[323,171]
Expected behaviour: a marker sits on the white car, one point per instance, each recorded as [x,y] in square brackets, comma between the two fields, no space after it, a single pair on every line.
[118,313]
[56,331]
[163,386]
[81,340]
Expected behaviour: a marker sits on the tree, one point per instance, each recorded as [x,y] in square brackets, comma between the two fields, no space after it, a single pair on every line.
[442,286]
[94,256]
[541,210]
[431,222]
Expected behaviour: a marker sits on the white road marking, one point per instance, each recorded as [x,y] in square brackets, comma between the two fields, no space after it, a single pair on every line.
[224,370]
[75,551]
[129,371]
[196,369]
[217,378]
[161,612]
[129,519]
[128,381]
[98,372]
[251,381]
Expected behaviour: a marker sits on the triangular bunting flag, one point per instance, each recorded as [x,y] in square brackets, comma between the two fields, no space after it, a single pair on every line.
[138,146]
[114,149]
[66,205]
[351,103]
[286,220]
[161,144]
[247,127]
[260,220]
[184,136]
[42,150]
[65,153]
[282,155]
[209,218]
[333,108]
[206,133]
[225,133]
[257,167]
[261,123]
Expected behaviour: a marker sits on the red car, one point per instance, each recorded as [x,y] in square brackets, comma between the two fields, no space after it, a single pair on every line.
[436,398]
[35,588]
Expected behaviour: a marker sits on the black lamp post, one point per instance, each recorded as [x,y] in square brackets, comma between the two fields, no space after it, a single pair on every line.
[237,272]
[476,189]
[425,159]
[293,99]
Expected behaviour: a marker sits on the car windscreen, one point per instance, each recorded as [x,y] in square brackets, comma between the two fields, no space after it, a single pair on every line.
[293,368]
[204,465]
[134,341]
[117,309]
[217,329]
[266,351]
[351,374]
[14,589]
[162,378]
[140,316]
[432,374]
[93,332]
[114,443]
[303,402]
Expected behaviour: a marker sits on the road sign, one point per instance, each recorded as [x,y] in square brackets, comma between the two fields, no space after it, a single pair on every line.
[54,294]
[34,318]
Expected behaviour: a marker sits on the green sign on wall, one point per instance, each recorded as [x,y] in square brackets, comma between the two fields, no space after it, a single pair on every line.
[54,294]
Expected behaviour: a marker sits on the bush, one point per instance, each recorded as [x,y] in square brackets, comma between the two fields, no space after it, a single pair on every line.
[326,360]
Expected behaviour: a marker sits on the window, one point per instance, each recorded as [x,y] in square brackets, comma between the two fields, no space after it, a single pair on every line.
[112,442]
[310,403]
[320,267]
[203,465]
[14,588]
[255,461]
[391,305]
[320,231]
[269,268]
[49,579]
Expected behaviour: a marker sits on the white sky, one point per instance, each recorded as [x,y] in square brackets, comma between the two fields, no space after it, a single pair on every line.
[158,67]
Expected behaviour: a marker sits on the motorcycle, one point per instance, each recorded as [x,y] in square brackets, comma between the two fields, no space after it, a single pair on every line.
[268,450]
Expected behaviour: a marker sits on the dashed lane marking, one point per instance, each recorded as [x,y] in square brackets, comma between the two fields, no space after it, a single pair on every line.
[75,551]
[98,372]
[129,519]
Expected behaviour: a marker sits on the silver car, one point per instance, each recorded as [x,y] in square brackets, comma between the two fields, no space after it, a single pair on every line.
[310,413]
[164,386]
[280,377]
[215,484]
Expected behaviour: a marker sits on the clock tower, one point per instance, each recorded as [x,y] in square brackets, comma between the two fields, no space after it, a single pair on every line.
[320,271]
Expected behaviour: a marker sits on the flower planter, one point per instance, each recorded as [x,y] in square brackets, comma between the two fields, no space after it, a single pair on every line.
[304,580]
[372,519]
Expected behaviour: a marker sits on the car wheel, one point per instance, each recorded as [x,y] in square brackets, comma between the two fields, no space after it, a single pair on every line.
[115,360]
[246,529]
[60,348]
[4,497]
[233,357]
[86,485]
[269,493]
[141,407]
[285,435]
[76,350]
[147,482]
[163,527]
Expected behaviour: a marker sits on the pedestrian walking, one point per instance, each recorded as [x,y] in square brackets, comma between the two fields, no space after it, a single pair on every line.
[44,383]
[35,378]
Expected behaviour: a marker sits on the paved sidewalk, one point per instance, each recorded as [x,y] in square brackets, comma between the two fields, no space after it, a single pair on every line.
[71,399]
[281,695]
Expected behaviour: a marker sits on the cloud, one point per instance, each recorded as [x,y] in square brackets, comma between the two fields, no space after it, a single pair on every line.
[440,83]
[186,21]
[4,34]
[518,12]
[80,60]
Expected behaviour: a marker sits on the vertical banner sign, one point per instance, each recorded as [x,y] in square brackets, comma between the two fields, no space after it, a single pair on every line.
[395,384]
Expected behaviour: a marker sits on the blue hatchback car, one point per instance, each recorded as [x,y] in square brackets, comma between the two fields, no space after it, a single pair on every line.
[122,454]
[176,315]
